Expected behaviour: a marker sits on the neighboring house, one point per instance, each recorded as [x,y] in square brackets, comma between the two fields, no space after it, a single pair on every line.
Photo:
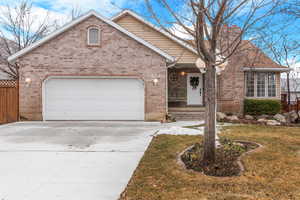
[3,59]
[100,69]
[3,56]
[4,76]
[294,88]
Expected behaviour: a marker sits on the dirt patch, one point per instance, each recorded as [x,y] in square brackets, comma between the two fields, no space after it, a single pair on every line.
[228,158]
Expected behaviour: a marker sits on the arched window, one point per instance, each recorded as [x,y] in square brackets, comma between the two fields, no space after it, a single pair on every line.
[93,36]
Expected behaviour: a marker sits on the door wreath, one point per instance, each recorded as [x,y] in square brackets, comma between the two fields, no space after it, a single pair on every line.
[194,82]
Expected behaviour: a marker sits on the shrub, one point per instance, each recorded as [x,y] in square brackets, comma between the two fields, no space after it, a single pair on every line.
[261,107]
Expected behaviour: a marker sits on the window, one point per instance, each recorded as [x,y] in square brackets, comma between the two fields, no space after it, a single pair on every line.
[260,84]
[93,36]
[271,85]
[250,84]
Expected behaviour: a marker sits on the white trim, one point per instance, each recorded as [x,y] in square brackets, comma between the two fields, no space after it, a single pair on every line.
[246,69]
[88,35]
[136,16]
[77,21]
[275,82]
[266,87]
[87,77]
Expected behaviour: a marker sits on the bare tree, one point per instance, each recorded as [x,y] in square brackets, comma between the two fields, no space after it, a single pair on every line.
[285,51]
[292,8]
[75,12]
[206,22]
[23,28]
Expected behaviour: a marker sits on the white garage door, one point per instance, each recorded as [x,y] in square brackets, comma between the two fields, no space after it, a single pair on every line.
[93,99]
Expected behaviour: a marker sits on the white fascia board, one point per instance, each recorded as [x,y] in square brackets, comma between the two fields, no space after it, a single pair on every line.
[77,21]
[180,42]
[266,69]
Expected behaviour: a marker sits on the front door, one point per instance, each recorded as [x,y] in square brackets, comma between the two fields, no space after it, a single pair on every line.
[194,89]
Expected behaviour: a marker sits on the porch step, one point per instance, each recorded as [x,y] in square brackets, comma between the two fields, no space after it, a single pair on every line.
[187,116]
[187,109]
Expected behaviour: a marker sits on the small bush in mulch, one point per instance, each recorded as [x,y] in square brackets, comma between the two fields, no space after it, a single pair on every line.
[226,158]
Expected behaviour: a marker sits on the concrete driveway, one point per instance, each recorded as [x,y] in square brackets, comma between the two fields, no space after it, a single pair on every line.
[70,160]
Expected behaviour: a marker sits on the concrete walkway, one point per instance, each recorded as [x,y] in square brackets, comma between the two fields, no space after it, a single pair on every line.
[70,160]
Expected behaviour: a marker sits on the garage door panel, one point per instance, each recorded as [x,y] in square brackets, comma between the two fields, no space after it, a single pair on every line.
[94,99]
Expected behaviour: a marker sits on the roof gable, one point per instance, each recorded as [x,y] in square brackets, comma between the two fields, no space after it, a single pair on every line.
[256,57]
[137,17]
[77,21]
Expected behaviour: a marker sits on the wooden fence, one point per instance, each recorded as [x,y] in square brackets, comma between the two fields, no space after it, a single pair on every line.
[293,106]
[9,101]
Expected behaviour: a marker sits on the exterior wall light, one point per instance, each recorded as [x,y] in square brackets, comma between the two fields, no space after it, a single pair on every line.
[28,81]
[155,78]
[200,65]
[221,67]
[182,73]
[155,81]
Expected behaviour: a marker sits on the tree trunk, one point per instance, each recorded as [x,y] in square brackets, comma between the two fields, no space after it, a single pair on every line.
[288,90]
[210,114]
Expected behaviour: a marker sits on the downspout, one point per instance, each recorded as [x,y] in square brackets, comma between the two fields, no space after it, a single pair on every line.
[167,92]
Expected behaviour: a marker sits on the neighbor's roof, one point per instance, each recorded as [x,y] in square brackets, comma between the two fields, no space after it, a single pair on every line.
[168,35]
[77,21]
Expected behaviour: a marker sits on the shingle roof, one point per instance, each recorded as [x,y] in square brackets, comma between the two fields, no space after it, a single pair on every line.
[257,58]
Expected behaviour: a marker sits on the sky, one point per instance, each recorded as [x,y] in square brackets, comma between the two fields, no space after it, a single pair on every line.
[59,7]
[59,10]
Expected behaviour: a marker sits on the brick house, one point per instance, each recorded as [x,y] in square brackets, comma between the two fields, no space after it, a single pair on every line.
[294,88]
[96,68]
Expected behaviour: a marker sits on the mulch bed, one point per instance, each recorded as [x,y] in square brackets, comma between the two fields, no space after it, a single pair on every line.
[227,158]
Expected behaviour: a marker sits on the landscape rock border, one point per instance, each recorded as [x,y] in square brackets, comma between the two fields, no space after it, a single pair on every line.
[239,159]
[285,119]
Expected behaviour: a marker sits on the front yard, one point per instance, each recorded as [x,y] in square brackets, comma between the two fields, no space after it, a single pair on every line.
[271,173]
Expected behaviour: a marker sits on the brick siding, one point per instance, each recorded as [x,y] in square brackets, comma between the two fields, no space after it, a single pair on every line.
[68,55]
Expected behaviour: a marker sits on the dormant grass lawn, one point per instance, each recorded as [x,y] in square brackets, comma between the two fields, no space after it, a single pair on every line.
[273,173]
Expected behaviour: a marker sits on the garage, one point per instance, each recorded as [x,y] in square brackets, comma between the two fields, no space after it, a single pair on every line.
[94,98]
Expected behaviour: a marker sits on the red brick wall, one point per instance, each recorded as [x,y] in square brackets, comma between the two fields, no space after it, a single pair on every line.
[68,54]
[231,85]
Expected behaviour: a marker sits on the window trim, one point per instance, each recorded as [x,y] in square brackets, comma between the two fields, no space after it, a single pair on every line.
[275,83]
[265,89]
[88,36]
[266,85]
[246,83]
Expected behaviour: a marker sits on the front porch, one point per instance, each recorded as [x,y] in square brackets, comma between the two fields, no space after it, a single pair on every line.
[185,93]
